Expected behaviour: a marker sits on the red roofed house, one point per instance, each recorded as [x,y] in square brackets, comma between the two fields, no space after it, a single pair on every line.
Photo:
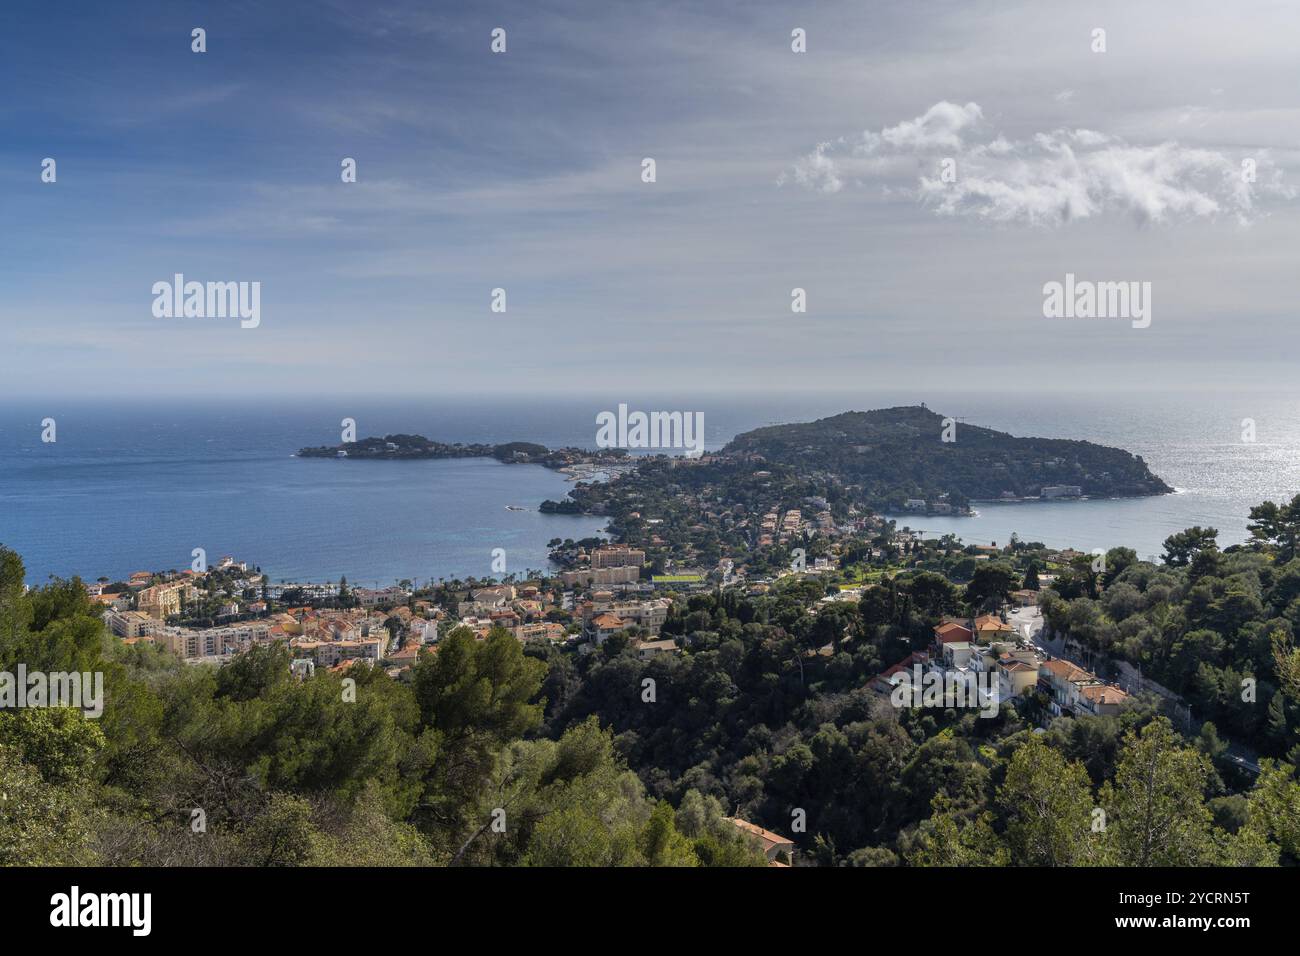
[950,632]
[885,681]
[1101,699]
[773,845]
[990,627]
[604,626]
[1073,689]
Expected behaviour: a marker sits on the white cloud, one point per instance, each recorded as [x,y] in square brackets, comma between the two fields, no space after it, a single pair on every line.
[1048,179]
[817,171]
[939,127]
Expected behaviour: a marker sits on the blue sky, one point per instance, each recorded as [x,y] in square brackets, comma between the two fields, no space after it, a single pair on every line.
[522,171]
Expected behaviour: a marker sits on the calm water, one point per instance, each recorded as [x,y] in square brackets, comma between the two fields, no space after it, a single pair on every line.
[134,486]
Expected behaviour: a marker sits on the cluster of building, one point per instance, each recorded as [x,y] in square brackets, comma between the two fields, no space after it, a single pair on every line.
[777,528]
[165,594]
[306,592]
[326,637]
[939,506]
[1060,491]
[390,627]
[1072,690]
[141,610]
[598,613]
[161,601]
[189,643]
[774,526]
[523,611]
[337,638]
[610,566]
[986,651]
[603,616]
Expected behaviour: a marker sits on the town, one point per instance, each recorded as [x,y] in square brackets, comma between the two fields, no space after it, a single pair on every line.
[607,601]
[608,596]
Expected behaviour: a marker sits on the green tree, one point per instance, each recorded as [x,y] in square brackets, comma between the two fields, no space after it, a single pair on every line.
[1157,815]
[570,802]
[661,842]
[1274,805]
[1209,742]
[1048,804]
[944,840]
[364,834]
[282,834]
[1183,547]
[1118,560]
[58,742]
[1278,525]
[41,824]
[932,593]
[990,585]
[1276,729]
[473,688]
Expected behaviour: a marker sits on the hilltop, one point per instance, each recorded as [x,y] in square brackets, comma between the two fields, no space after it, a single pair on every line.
[897,454]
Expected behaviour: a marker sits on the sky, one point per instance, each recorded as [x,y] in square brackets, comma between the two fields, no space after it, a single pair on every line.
[522,170]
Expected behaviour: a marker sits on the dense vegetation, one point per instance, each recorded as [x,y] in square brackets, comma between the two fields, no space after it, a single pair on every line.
[1210,626]
[898,453]
[247,765]
[769,712]
[489,752]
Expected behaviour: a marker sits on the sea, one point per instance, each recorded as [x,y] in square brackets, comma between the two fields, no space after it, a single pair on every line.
[131,485]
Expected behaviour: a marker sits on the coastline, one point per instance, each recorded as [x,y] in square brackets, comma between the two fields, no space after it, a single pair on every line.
[975,513]
[1140,522]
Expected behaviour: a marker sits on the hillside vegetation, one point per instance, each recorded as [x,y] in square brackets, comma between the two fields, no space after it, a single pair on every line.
[899,453]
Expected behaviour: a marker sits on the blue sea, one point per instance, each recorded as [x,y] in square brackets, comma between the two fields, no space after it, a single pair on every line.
[134,485]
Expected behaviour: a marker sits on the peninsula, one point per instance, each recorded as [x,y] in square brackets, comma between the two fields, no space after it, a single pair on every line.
[411,447]
[775,484]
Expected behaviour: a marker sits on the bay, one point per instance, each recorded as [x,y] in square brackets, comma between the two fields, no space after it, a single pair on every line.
[133,484]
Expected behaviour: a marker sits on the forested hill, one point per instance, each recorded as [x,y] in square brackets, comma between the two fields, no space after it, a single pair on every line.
[899,453]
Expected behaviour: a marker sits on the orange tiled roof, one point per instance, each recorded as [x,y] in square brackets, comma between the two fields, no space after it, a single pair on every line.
[1104,694]
[1065,670]
[952,631]
[767,836]
[913,658]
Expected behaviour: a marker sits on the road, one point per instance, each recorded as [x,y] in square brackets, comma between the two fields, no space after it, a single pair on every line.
[1028,622]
